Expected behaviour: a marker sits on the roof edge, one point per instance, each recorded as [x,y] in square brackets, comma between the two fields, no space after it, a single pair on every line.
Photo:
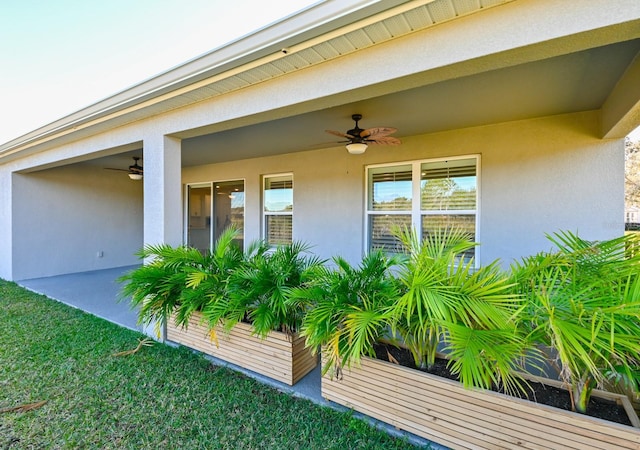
[311,22]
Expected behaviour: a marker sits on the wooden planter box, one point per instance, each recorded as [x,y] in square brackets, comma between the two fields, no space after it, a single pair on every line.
[442,411]
[279,356]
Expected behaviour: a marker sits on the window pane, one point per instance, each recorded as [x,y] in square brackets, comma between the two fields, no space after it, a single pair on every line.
[278,229]
[278,194]
[380,227]
[229,208]
[390,188]
[465,222]
[448,185]
[199,218]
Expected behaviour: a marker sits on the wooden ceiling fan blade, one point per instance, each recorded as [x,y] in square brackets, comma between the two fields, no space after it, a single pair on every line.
[374,136]
[117,170]
[373,133]
[338,133]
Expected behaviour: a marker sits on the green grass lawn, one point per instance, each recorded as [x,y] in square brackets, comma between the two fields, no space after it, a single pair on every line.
[158,398]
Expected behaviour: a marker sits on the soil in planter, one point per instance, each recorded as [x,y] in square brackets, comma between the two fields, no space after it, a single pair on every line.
[538,392]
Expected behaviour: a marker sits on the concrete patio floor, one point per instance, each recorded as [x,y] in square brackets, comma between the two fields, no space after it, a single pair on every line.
[98,293]
[95,292]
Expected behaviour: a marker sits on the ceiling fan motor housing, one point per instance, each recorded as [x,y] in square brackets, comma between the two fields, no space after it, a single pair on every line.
[135,168]
[355,131]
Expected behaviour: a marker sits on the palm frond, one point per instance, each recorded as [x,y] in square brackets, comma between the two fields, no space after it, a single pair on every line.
[583,301]
[351,306]
[485,358]
[441,286]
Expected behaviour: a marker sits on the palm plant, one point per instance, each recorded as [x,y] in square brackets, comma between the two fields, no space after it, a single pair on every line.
[207,281]
[259,290]
[351,308]
[166,284]
[156,287]
[469,310]
[583,306]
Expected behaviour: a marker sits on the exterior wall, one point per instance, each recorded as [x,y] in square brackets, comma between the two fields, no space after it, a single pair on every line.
[537,176]
[548,175]
[328,196]
[63,217]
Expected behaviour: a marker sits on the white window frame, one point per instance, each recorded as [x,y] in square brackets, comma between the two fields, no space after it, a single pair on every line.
[276,213]
[416,211]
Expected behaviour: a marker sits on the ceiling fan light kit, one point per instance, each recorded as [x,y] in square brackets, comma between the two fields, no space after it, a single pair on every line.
[357,148]
[359,139]
[135,171]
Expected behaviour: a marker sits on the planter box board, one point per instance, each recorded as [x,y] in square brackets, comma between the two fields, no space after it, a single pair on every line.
[280,356]
[444,412]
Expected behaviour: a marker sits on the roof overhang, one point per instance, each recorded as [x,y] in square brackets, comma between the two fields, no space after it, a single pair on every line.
[593,47]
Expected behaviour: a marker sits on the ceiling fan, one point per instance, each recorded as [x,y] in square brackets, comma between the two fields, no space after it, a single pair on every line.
[135,171]
[359,139]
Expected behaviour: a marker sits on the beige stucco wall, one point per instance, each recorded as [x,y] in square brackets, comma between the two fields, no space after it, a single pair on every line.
[65,216]
[537,176]
[548,175]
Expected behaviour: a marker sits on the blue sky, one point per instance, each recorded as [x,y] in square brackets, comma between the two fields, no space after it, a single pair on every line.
[58,56]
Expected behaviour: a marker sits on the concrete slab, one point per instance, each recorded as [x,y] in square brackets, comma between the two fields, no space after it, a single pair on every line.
[95,292]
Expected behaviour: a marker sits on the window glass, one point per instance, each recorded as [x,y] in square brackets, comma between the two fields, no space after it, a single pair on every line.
[390,188]
[199,217]
[380,228]
[229,208]
[278,209]
[278,194]
[448,198]
[448,185]
[278,229]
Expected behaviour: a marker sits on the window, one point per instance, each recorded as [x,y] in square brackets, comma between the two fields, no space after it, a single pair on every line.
[198,218]
[278,209]
[424,195]
[390,204]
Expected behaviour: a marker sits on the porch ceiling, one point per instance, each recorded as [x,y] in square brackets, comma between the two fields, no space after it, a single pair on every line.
[574,82]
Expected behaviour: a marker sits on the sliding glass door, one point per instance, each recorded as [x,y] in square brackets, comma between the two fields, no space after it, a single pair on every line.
[211,208]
